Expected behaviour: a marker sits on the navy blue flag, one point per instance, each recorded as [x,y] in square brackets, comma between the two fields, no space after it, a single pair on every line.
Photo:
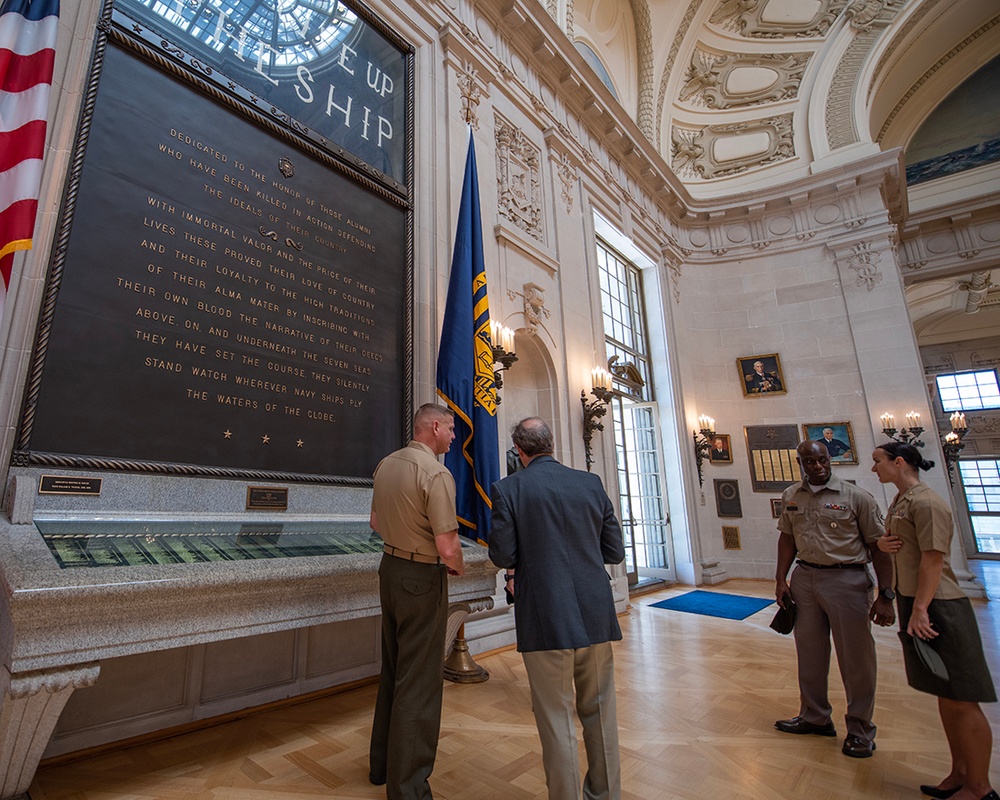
[465,368]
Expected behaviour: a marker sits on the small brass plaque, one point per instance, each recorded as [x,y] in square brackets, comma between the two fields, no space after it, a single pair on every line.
[69,484]
[731,537]
[267,498]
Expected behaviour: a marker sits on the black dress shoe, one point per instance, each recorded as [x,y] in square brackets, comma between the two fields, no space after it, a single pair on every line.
[940,794]
[374,781]
[990,796]
[799,725]
[856,747]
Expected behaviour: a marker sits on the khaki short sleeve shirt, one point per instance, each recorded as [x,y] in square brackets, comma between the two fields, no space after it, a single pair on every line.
[834,525]
[414,499]
[923,521]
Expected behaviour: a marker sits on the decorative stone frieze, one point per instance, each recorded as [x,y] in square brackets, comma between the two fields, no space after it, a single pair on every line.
[951,242]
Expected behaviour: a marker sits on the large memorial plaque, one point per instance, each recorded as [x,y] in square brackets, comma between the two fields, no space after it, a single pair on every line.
[226,300]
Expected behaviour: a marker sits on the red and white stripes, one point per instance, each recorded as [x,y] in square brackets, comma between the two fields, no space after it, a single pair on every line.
[28,30]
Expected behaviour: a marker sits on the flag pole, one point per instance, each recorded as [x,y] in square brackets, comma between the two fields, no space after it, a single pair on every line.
[466,383]
[460,666]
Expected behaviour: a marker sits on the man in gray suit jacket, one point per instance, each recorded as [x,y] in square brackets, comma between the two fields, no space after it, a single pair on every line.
[555,528]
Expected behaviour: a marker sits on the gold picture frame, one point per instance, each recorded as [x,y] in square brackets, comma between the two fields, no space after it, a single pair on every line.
[761,375]
[839,443]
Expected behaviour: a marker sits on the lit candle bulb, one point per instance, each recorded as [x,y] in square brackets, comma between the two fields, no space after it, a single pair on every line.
[600,378]
[706,423]
[509,343]
[913,419]
[958,421]
[888,421]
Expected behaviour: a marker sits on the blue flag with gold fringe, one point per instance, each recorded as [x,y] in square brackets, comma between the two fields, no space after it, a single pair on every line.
[465,367]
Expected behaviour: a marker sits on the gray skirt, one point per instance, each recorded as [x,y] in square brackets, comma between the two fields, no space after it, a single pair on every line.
[959,646]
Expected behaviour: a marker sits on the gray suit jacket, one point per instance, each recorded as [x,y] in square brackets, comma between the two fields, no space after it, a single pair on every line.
[556,526]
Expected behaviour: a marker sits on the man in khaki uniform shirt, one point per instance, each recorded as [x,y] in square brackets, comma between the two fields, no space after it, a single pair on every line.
[831,529]
[413,510]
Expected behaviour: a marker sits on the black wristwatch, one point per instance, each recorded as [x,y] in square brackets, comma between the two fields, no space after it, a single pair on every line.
[507,577]
[888,594]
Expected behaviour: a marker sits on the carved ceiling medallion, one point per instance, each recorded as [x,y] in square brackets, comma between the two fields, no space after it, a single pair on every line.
[737,81]
[776,19]
[719,150]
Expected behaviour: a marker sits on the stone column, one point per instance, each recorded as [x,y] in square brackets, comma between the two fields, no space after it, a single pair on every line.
[30,705]
[888,357]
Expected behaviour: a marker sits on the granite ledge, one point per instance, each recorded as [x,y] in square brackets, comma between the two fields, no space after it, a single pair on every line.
[60,617]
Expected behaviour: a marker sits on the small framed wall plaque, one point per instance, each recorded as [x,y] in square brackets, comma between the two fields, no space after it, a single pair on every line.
[727,498]
[771,449]
[69,484]
[731,537]
[267,498]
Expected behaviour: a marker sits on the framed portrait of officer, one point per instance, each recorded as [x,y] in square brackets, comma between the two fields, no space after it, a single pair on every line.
[761,375]
[838,438]
[721,451]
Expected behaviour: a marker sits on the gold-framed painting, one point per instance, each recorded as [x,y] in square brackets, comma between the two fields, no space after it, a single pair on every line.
[761,375]
[838,438]
[721,451]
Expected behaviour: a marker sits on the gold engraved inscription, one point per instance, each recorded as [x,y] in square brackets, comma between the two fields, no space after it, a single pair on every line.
[286,323]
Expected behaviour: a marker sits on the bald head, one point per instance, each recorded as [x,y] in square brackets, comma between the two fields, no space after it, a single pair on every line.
[533,437]
[814,459]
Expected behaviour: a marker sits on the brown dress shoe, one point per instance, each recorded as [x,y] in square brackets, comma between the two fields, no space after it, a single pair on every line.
[799,725]
[856,747]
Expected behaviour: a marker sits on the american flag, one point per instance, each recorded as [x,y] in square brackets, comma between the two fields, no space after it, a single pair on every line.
[28,30]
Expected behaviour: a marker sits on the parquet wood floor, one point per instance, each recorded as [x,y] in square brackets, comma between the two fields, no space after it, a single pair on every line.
[697,698]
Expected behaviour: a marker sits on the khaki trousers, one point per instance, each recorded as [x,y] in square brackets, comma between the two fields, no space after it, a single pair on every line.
[835,602]
[552,676]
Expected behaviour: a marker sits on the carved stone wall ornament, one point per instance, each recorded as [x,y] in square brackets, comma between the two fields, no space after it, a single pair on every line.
[534,309]
[862,13]
[519,192]
[567,178]
[865,262]
[468,86]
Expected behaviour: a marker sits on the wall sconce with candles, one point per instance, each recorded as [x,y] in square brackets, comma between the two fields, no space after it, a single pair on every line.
[952,444]
[502,339]
[907,435]
[600,380]
[704,444]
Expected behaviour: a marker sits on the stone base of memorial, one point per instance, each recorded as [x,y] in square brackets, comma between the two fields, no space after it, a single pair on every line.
[118,624]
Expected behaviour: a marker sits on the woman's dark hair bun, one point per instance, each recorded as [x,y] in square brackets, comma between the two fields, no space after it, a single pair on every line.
[907,452]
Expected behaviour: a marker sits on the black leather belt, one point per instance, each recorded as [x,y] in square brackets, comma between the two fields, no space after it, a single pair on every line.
[406,555]
[830,566]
